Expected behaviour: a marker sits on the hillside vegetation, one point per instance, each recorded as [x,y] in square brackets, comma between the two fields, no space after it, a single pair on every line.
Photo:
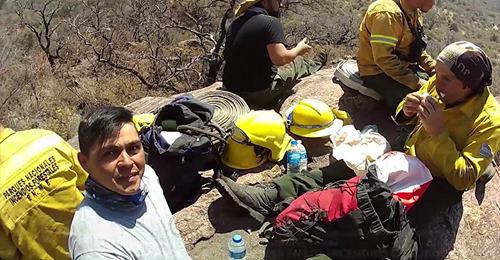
[60,58]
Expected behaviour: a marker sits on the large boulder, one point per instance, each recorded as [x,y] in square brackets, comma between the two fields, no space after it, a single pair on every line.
[469,232]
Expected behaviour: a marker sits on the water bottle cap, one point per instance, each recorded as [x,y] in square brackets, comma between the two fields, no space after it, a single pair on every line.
[236,238]
[294,142]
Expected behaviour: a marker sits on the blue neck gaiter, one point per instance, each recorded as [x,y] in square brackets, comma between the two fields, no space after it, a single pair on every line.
[113,200]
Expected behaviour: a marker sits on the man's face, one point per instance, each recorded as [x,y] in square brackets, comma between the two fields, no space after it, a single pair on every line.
[450,89]
[426,5]
[117,164]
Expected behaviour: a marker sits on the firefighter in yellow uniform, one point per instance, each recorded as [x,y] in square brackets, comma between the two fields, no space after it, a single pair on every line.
[41,184]
[456,136]
[391,45]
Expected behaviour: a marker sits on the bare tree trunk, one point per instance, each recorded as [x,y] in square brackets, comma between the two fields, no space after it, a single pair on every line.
[44,28]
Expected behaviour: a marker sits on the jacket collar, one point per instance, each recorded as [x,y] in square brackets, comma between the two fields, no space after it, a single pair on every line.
[472,105]
[6,132]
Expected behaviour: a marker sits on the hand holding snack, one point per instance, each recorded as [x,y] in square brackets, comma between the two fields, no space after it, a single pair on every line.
[412,102]
[431,116]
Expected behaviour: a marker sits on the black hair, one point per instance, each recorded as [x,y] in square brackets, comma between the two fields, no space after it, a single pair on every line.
[100,125]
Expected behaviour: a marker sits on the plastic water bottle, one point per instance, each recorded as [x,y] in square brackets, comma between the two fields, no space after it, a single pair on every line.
[237,249]
[293,158]
[303,156]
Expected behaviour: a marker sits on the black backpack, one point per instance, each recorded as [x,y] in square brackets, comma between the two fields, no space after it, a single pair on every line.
[196,146]
[353,219]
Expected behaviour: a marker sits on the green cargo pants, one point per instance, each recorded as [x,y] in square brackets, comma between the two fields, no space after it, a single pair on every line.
[294,185]
[286,78]
[392,91]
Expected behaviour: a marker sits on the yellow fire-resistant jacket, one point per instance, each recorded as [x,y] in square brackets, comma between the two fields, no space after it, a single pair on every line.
[463,152]
[40,188]
[383,33]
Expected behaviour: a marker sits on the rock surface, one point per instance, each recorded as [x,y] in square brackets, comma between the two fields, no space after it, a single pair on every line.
[206,225]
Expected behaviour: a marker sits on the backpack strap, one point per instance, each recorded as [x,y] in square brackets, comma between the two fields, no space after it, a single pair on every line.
[377,230]
[186,128]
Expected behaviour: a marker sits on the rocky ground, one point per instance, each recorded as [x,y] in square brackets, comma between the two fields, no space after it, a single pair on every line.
[207,225]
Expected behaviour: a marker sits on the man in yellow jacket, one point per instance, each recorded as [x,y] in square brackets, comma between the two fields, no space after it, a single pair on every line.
[41,184]
[456,136]
[391,46]
[457,119]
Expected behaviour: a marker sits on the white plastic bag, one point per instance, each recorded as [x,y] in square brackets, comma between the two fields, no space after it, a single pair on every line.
[358,149]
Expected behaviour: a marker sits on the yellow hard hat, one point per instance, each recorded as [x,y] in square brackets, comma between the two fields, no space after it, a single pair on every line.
[143,120]
[243,156]
[267,129]
[252,135]
[243,6]
[312,118]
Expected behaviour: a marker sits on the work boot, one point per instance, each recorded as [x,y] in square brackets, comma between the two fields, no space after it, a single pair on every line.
[488,174]
[258,200]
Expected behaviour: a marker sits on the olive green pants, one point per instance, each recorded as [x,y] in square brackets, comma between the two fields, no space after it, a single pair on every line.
[392,91]
[294,185]
[286,78]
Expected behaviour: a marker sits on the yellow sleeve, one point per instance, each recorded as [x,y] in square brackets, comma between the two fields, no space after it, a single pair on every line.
[462,168]
[385,32]
[7,249]
[82,175]
[427,62]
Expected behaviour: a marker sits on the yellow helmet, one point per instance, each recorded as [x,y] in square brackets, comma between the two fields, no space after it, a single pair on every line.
[312,118]
[253,133]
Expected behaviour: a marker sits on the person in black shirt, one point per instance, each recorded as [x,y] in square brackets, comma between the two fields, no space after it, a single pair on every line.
[255,47]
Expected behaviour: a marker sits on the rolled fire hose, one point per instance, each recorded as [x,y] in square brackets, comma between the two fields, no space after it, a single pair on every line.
[228,107]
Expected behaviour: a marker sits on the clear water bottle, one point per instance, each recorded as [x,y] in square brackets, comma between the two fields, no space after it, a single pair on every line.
[293,158]
[237,248]
[303,156]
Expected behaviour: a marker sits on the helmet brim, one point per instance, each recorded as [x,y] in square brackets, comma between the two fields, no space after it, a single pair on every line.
[313,133]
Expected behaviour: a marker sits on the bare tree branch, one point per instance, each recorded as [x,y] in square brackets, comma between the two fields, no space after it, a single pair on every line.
[42,28]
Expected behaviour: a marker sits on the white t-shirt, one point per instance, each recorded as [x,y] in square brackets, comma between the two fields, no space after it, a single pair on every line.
[147,232]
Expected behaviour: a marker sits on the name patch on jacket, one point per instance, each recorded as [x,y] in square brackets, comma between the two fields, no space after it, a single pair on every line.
[486,151]
[31,184]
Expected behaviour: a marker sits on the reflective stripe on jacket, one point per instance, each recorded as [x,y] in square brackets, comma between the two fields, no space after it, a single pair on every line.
[40,188]
[472,137]
[383,34]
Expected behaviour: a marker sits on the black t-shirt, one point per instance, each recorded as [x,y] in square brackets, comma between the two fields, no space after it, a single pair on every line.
[248,65]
